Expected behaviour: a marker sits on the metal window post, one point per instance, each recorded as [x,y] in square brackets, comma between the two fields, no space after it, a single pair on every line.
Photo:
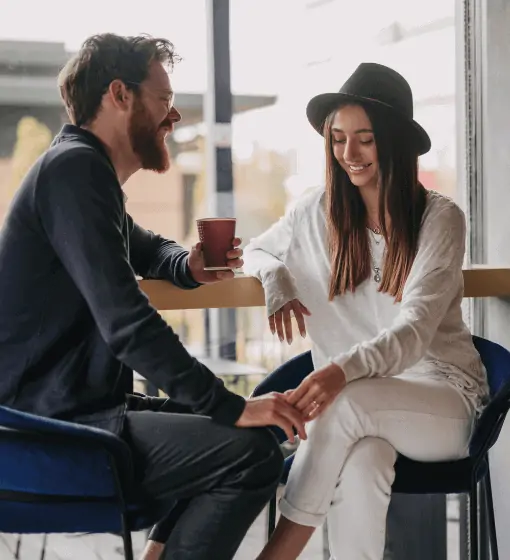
[220,324]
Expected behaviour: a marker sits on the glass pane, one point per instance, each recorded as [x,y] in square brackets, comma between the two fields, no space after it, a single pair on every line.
[282,53]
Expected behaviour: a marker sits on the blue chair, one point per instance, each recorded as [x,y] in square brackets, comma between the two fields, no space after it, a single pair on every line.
[450,477]
[59,477]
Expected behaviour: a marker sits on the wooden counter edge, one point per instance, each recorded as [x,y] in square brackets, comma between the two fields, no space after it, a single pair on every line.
[486,281]
[245,291]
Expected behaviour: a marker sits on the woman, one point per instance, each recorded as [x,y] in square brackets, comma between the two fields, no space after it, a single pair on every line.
[371,267]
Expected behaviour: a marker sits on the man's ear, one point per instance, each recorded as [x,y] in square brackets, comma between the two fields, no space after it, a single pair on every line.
[119,95]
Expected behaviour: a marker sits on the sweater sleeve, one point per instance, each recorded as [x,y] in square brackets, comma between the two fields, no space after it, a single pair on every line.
[264,258]
[80,206]
[432,285]
[153,256]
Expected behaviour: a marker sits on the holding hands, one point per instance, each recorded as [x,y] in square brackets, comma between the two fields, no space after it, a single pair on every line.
[292,410]
[317,391]
[273,409]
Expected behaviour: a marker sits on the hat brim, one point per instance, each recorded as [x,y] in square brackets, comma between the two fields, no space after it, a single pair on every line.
[322,105]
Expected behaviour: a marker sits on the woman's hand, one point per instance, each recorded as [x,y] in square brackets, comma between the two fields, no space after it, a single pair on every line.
[281,322]
[317,391]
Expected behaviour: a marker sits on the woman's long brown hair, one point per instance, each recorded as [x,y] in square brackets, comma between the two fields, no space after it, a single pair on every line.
[402,196]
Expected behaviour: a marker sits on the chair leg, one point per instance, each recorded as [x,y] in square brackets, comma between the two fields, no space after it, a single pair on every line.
[43,549]
[473,523]
[126,537]
[491,519]
[271,517]
[18,547]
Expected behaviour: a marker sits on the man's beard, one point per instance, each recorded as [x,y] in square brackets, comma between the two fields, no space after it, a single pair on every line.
[146,142]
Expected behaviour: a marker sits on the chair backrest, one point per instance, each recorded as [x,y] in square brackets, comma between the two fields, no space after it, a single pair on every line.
[42,456]
[496,360]
[58,476]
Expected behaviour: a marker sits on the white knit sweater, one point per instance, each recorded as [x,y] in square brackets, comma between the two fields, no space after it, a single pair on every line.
[366,332]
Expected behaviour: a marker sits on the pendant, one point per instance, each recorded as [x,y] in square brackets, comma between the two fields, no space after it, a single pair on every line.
[377,275]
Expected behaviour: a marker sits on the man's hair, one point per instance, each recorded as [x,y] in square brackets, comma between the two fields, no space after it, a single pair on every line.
[102,59]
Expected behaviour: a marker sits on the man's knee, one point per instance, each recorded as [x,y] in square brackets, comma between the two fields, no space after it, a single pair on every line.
[261,452]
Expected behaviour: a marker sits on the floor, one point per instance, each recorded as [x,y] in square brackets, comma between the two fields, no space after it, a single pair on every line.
[106,547]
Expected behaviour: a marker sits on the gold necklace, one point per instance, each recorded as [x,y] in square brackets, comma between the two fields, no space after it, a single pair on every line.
[377,230]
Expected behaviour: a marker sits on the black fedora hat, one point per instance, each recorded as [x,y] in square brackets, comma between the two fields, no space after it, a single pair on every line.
[376,85]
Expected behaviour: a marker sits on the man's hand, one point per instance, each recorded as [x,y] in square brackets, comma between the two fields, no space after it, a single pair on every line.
[272,410]
[317,391]
[196,264]
[281,323]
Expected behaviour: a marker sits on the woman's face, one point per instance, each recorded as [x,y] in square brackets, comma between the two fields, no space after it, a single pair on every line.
[354,145]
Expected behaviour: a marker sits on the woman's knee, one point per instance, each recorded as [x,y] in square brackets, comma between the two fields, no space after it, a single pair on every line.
[346,415]
[371,459]
[356,402]
[360,392]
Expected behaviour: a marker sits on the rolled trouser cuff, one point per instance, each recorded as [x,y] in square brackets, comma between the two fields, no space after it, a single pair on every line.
[301,517]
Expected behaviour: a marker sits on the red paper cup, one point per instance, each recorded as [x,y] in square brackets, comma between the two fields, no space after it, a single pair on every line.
[217,236]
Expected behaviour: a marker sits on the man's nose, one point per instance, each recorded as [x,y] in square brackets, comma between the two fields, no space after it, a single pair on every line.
[175,116]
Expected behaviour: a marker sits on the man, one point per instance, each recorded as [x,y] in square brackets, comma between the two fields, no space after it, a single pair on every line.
[74,323]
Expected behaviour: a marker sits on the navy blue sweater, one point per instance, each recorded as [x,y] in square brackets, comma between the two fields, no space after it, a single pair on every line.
[74,323]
